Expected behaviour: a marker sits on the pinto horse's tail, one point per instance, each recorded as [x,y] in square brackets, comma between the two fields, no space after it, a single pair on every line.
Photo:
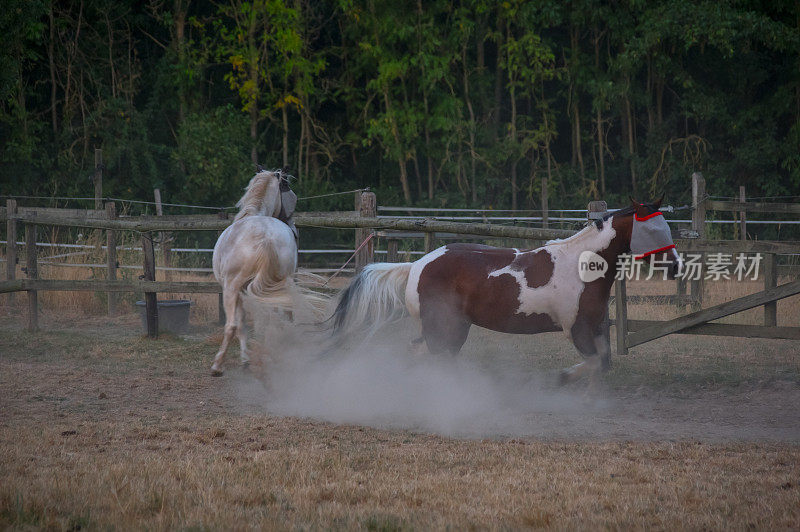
[375,297]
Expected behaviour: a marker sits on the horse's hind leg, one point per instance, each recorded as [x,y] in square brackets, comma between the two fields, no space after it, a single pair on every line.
[230,301]
[444,329]
[241,332]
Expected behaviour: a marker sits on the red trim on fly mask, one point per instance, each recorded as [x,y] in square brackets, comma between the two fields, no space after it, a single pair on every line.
[655,251]
[644,218]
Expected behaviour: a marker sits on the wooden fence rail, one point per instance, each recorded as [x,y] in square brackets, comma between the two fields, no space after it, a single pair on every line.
[214,223]
[101,285]
[368,225]
[712,313]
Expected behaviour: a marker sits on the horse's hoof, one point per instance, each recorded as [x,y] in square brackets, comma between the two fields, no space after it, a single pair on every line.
[564,377]
[246,365]
[216,372]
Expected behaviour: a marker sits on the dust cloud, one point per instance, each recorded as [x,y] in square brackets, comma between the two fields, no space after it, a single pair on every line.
[379,382]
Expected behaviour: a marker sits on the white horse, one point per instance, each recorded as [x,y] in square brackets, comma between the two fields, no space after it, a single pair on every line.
[256,255]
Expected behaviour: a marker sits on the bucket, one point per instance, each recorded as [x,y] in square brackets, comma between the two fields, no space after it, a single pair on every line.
[173,315]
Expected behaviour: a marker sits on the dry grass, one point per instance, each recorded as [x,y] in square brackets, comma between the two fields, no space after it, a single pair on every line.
[102,428]
[257,473]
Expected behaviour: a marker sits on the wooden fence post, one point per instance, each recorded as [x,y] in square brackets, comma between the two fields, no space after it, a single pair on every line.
[430,241]
[111,257]
[770,281]
[164,238]
[545,213]
[681,293]
[150,298]
[11,246]
[98,178]
[699,225]
[621,318]
[391,250]
[32,272]
[367,207]
[742,216]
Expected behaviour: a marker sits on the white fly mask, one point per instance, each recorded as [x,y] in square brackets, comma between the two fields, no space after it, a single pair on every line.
[650,235]
[288,203]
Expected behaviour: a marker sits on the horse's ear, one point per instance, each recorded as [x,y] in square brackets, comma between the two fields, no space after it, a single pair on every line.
[658,202]
[633,201]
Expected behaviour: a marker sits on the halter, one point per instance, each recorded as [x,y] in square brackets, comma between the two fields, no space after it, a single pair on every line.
[650,234]
[288,202]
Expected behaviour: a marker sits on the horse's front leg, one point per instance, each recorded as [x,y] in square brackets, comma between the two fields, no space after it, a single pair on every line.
[595,350]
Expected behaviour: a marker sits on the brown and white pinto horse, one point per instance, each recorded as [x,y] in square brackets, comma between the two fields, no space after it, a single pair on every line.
[509,290]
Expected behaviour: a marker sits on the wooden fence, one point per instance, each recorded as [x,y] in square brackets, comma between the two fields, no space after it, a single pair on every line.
[631,333]
[363,220]
[369,227]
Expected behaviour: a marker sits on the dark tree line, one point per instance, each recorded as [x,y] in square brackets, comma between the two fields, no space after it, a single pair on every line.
[457,103]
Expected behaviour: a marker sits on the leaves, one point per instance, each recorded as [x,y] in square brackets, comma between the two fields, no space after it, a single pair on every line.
[429,101]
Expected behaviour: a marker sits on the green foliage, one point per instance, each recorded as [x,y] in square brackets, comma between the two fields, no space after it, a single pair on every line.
[212,155]
[440,102]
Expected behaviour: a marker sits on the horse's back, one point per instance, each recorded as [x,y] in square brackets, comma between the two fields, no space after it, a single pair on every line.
[484,285]
[253,243]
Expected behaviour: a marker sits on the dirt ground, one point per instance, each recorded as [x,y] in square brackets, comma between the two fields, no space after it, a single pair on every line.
[101,427]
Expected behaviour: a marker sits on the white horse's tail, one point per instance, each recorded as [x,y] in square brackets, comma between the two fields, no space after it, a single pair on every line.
[286,292]
[375,297]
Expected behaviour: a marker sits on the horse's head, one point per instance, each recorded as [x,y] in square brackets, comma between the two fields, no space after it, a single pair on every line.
[265,195]
[648,236]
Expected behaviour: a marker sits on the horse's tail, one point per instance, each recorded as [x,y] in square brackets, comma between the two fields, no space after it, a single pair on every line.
[287,291]
[270,283]
[375,297]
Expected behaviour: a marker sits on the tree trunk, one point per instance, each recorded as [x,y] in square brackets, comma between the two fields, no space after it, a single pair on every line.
[600,134]
[472,179]
[659,100]
[498,82]
[285,151]
[253,133]
[573,96]
[631,146]
[428,148]
[301,146]
[650,91]
[180,40]
[418,174]
[400,153]
[51,57]
[512,133]
[576,114]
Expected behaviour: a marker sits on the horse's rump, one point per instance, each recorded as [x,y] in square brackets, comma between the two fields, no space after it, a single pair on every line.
[258,253]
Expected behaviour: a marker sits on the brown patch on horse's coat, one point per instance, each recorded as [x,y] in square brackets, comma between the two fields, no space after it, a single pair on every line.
[538,267]
[456,290]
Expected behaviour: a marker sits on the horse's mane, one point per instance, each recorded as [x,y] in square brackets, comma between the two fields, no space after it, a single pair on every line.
[253,200]
[577,237]
[587,231]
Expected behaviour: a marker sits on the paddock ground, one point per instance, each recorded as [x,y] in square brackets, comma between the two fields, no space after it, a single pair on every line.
[103,428]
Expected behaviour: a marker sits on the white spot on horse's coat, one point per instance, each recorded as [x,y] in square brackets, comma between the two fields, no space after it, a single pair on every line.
[412,292]
[559,298]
